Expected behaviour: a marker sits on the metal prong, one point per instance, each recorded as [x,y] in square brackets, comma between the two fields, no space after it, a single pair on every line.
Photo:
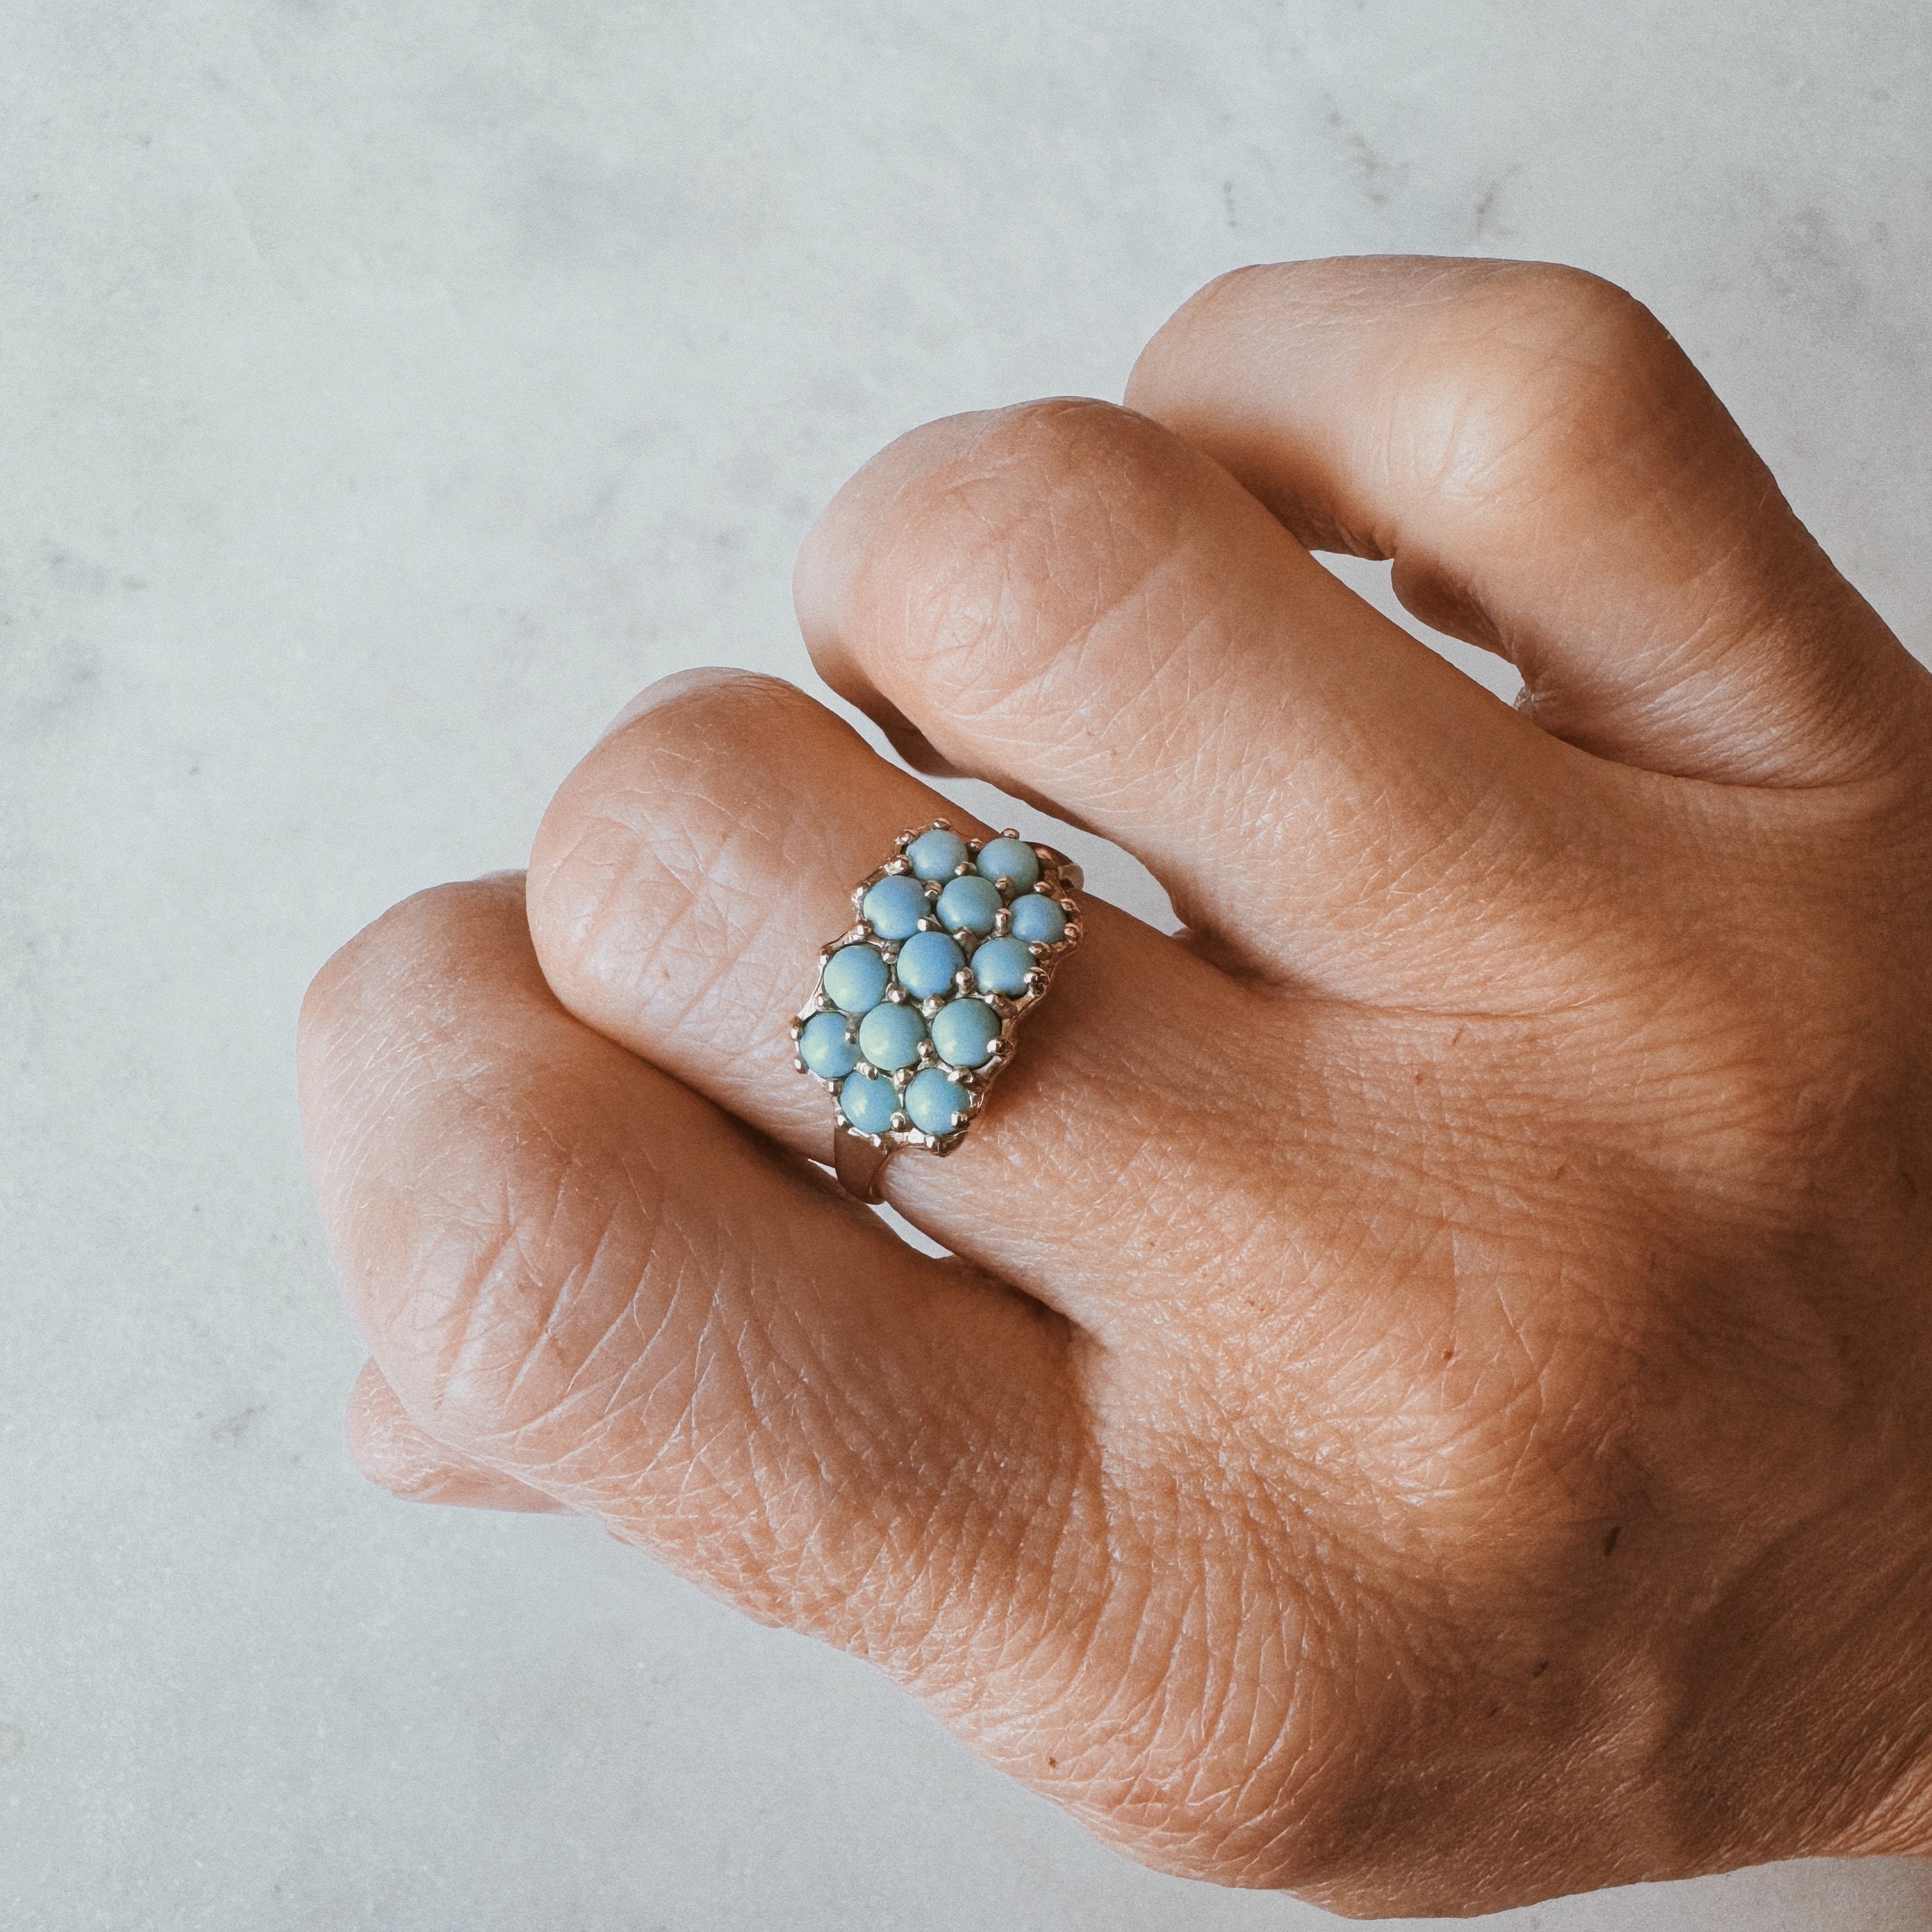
[1070,874]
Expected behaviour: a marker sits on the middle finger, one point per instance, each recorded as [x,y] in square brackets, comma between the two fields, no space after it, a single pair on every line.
[682,883]
[1070,601]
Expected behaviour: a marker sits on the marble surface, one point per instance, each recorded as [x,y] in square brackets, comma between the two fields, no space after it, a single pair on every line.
[385,393]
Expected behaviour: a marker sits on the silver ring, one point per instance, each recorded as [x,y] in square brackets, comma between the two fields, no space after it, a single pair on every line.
[913,1016]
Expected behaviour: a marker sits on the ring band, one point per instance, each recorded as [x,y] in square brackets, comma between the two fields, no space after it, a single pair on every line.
[913,1016]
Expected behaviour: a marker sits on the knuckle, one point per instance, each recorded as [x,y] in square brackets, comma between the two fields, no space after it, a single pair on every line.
[516,1312]
[482,1367]
[1533,364]
[1256,286]
[441,1142]
[1567,299]
[1500,368]
[1592,332]
[1234,305]
[643,850]
[364,996]
[1007,540]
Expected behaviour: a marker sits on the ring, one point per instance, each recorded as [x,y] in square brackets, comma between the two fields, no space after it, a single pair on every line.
[956,941]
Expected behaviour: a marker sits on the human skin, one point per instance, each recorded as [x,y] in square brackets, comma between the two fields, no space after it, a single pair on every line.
[1428,1408]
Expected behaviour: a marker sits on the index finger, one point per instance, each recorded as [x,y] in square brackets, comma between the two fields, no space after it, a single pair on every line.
[1554,479]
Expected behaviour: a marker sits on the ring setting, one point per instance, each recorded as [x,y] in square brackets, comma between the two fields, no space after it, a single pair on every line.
[954,941]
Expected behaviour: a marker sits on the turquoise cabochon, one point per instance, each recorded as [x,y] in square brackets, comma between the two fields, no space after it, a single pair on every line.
[880,981]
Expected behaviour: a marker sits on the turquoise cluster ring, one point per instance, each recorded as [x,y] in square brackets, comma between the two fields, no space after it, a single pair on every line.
[954,941]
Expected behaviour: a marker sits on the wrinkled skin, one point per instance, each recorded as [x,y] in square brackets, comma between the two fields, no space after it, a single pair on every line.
[1429,1407]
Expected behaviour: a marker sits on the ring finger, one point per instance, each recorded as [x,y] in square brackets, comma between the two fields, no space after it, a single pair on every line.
[681,885]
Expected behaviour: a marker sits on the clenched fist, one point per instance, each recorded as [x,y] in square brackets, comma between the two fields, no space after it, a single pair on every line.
[1431,1404]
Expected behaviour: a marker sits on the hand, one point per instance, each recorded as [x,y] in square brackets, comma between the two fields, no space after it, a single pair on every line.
[1430,1408]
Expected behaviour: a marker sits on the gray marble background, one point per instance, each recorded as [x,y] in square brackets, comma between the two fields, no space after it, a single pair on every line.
[386,393]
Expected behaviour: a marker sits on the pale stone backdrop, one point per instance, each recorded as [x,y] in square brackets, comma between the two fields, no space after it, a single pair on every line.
[386,393]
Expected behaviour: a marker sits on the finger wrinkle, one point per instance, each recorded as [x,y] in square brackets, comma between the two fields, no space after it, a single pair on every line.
[613,920]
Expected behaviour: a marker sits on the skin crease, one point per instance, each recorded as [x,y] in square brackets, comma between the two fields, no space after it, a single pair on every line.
[1427,1408]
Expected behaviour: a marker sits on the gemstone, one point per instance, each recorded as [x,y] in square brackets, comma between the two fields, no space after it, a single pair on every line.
[1010,858]
[855,979]
[969,905]
[1001,965]
[889,1036]
[867,1102]
[824,1048]
[927,962]
[895,906]
[1040,919]
[934,1103]
[963,1031]
[937,854]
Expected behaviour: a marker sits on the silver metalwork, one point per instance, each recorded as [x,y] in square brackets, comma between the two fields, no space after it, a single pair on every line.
[858,1158]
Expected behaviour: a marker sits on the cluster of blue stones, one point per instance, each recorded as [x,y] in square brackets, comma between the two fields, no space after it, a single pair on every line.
[915,1007]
